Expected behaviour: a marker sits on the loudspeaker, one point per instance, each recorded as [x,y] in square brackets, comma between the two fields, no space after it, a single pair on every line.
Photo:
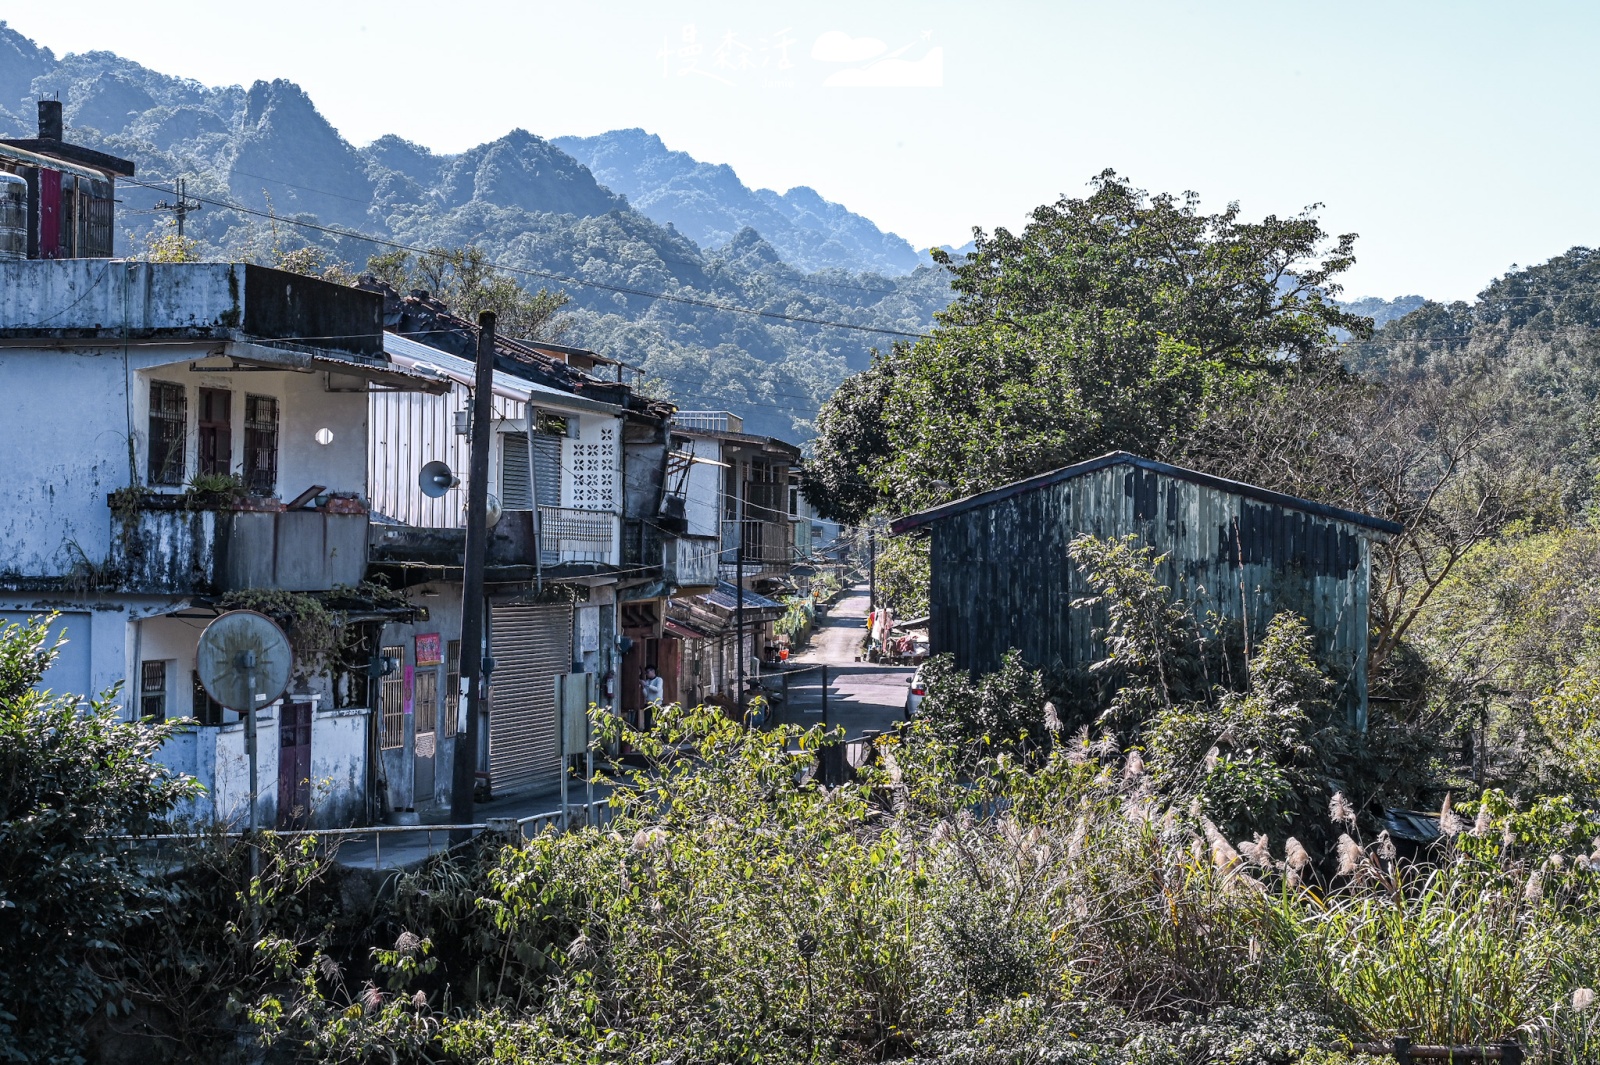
[435,479]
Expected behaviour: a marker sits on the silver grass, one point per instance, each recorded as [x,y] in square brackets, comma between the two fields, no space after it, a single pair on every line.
[1483,822]
[1295,855]
[1133,769]
[1351,857]
[1340,811]
[1449,823]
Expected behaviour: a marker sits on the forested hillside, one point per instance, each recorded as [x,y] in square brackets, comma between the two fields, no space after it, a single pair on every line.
[527,204]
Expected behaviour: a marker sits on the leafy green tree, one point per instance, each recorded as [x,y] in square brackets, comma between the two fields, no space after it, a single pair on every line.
[1110,321]
[470,283]
[69,779]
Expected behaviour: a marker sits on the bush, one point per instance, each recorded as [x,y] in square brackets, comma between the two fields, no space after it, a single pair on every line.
[69,780]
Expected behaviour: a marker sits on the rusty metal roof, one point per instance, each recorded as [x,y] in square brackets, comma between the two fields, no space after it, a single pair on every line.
[922,519]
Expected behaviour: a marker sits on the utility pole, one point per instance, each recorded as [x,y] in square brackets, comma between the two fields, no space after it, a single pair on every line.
[872,568]
[738,612]
[183,208]
[469,700]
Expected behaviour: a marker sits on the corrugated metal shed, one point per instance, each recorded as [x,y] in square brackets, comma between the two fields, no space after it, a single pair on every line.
[1002,577]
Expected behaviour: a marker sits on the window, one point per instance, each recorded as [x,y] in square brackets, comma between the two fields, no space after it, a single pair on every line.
[794,502]
[169,416]
[206,710]
[153,691]
[452,686]
[392,693]
[516,493]
[261,444]
[216,432]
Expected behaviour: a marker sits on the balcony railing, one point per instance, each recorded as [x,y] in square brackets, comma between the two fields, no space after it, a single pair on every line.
[576,536]
[766,545]
[690,562]
[173,549]
[709,421]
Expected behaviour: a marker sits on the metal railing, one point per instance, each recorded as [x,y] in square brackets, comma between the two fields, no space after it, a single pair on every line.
[583,814]
[568,535]
[766,544]
[709,421]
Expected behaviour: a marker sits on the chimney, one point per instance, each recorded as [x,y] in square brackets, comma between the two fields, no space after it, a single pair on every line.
[49,120]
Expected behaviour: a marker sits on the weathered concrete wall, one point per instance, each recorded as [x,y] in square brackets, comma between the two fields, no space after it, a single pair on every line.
[703,490]
[339,767]
[67,416]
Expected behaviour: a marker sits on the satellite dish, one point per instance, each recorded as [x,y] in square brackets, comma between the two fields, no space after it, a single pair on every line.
[435,479]
[244,660]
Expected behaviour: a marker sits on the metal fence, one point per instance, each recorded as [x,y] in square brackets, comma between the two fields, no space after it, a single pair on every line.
[407,843]
[568,535]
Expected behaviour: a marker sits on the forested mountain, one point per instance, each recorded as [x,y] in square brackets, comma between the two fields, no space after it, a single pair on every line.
[709,204]
[530,206]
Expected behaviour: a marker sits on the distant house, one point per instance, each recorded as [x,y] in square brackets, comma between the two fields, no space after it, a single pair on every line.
[1002,578]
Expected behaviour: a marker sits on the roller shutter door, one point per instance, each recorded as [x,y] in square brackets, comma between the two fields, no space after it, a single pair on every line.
[532,644]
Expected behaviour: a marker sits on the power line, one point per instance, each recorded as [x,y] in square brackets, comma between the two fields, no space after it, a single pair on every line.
[350,234]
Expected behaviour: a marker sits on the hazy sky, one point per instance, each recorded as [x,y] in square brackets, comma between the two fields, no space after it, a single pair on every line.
[1456,138]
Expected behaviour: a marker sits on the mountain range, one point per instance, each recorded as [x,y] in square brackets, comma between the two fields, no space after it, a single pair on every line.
[607,219]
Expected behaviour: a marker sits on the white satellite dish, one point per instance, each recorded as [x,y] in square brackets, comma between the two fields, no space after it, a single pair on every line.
[435,479]
[244,661]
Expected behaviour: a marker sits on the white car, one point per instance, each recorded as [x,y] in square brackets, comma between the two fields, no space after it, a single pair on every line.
[916,690]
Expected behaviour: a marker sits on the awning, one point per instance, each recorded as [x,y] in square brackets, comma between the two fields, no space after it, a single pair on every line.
[684,631]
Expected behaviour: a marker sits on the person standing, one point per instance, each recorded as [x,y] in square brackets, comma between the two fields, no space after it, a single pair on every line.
[654,688]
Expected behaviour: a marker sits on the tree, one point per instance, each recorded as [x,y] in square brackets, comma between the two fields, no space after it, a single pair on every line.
[1111,321]
[69,781]
[465,279]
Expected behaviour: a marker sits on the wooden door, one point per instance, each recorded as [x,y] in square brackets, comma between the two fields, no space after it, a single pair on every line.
[669,667]
[294,764]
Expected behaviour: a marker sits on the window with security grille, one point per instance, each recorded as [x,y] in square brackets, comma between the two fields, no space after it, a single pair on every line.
[452,686]
[153,691]
[206,710]
[261,444]
[393,696]
[169,417]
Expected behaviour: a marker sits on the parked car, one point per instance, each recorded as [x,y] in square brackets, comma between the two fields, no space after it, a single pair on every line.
[916,690]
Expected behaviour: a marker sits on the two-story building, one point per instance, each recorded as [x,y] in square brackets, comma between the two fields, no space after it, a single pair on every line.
[187,438]
[737,492]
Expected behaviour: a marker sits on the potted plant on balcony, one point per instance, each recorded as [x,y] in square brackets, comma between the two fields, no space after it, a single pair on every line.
[225,491]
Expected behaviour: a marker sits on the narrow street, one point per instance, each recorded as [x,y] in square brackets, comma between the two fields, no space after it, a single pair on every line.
[860,695]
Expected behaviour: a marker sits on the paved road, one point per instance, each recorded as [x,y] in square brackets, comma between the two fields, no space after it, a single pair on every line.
[861,695]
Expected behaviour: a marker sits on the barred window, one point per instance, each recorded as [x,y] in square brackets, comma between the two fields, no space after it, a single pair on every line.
[205,709]
[393,696]
[153,691]
[261,444]
[169,417]
[452,686]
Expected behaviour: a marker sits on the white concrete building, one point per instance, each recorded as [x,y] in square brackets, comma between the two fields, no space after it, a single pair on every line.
[178,436]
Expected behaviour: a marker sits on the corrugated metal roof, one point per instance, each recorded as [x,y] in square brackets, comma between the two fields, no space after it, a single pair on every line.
[509,386]
[911,522]
[725,596]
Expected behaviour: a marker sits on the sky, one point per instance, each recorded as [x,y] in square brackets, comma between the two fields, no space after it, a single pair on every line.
[1457,139]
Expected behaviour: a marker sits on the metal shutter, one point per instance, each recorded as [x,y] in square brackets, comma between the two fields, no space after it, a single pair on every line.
[532,645]
[515,491]
[547,469]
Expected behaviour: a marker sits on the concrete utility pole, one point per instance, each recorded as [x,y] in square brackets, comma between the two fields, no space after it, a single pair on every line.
[469,699]
[872,569]
[183,208]
[738,612]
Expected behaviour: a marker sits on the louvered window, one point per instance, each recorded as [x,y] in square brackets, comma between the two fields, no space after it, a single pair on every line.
[516,488]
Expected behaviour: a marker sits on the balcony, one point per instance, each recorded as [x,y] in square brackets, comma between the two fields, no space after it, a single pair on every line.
[690,562]
[576,537]
[708,421]
[168,547]
[766,547]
